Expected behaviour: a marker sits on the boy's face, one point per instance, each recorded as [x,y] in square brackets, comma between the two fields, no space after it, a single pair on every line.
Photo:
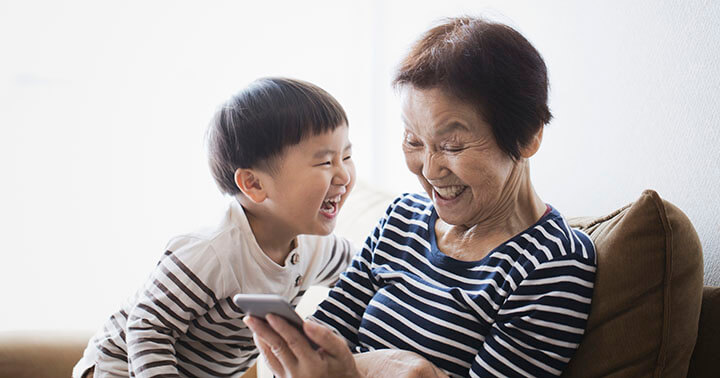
[311,183]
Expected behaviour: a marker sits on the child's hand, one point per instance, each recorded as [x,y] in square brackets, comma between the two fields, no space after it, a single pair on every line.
[289,353]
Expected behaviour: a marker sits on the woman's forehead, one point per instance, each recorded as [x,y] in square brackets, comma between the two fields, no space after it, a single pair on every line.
[434,113]
[434,103]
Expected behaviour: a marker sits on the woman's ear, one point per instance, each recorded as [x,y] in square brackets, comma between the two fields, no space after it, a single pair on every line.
[249,183]
[534,145]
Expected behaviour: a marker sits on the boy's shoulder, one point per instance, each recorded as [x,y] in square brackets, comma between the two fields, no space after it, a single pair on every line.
[320,243]
[230,233]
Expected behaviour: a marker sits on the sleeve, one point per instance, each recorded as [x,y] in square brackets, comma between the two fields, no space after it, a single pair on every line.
[180,289]
[341,252]
[540,325]
[342,310]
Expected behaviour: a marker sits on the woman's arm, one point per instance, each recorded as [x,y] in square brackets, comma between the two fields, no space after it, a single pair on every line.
[289,354]
[541,324]
[394,363]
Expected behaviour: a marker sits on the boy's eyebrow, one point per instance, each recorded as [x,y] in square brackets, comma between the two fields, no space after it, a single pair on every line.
[328,151]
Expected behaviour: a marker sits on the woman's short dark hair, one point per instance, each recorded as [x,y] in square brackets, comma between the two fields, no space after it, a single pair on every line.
[254,127]
[487,64]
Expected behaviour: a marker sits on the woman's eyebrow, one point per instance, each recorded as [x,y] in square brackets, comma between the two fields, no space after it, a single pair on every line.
[452,127]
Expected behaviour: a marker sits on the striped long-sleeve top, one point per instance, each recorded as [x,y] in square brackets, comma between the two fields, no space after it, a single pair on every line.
[183,322]
[519,311]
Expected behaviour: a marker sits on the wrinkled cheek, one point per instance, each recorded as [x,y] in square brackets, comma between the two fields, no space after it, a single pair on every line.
[414,163]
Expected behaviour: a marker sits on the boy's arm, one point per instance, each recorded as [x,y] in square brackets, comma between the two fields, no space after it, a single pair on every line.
[181,288]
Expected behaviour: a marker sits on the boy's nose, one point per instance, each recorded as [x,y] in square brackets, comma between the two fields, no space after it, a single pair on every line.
[343,176]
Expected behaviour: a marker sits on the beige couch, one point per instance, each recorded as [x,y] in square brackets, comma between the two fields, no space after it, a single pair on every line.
[651,315]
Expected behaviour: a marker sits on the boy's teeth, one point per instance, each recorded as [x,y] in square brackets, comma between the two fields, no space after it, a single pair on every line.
[334,199]
[449,192]
[329,204]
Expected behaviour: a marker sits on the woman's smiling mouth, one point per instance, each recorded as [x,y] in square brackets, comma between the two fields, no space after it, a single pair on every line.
[448,193]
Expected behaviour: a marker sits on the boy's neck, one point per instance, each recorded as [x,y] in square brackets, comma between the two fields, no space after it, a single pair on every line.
[275,243]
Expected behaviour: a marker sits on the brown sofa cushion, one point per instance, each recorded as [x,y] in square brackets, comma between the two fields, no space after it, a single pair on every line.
[648,291]
[704,361]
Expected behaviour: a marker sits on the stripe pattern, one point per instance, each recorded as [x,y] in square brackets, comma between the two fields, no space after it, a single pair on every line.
[182,324]
[178,326]
[520,311]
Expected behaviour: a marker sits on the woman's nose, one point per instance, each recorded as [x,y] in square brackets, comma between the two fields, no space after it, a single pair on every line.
[432,166]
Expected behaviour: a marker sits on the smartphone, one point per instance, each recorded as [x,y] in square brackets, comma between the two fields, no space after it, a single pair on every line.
[259,305]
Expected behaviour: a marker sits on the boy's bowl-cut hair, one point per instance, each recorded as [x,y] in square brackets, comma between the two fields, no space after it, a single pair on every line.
[255,125]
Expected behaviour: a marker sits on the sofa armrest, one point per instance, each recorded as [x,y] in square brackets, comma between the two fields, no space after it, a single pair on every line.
[40,354]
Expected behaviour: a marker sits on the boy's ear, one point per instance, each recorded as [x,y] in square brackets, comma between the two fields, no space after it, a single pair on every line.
[248,181]
[534,145]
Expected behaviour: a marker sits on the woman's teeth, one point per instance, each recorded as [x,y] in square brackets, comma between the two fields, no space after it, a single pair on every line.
[449,192]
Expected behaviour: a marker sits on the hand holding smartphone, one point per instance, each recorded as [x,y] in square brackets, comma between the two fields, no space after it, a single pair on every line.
[259,305]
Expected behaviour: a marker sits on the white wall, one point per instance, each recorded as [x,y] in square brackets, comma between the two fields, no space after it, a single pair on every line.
[103,106]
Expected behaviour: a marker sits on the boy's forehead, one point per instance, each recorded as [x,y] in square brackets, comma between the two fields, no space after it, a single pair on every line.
[330,151]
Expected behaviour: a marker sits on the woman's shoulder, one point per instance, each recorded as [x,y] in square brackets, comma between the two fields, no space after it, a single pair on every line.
[416,201]
[552,238]
[408,206]
[408,210]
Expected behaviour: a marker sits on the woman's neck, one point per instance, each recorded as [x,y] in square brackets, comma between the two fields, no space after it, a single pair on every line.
[518,208]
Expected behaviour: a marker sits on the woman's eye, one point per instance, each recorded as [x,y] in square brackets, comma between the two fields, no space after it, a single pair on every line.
[410,140]
[413,142]
[452,148]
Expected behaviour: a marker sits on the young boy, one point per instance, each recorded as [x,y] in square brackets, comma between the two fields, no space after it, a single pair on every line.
[281,149]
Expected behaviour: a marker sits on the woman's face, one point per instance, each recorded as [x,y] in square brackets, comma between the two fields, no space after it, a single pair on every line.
[452,150]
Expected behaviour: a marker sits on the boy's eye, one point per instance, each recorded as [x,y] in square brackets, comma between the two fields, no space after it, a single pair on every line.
[347,158]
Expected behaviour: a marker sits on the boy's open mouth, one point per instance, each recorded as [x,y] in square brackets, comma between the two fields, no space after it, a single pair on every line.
[330,206]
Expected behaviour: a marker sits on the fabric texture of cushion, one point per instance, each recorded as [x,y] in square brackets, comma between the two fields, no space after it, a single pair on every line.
[40,354]
[648,292]
[704,362]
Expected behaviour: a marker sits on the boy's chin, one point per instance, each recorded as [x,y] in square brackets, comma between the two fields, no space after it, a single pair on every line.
[326,228]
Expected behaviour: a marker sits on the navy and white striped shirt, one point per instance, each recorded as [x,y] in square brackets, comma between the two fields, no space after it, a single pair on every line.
[519,311]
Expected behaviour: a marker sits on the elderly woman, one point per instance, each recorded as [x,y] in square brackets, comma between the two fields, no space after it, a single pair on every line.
[479,277]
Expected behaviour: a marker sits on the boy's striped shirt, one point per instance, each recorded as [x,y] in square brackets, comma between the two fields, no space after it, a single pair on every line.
[183,321]
[519,311]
